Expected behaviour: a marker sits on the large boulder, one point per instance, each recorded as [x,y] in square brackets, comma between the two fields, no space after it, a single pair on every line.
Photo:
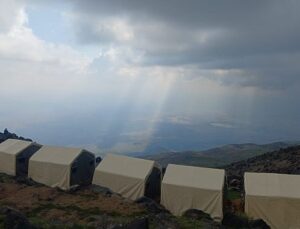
[13,219]
[199,215]
[258,224]
[234,221]
[150,205]
[164,220]
[101,190]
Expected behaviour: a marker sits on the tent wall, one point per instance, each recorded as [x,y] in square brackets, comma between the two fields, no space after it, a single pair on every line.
[83,169]
[8,164]
[190,187]
[22,159]
[127,176]
[178,199]
[50,174]
[278,213]
[274,198]
[129,187]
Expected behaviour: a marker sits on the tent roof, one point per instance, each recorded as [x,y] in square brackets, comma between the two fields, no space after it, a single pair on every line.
[195,177]
[272,185]
[56,155]
[13,146]
[126,166]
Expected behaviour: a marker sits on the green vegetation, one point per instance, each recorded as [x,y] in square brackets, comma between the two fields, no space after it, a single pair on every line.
[5,178]
[232,195]
[187,223]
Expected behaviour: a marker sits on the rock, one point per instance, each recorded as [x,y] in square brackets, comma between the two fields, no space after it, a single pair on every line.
[103,221]
[106,222]
[196,214]
[205,218]
[258,224]
[234,221]
[98,160]
[101,190]
[7,135]
[150,205]
[164,220]
[14,219]
[141,223]
[26,181]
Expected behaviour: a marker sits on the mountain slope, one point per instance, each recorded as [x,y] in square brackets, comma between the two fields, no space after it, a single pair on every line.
[217,157]
[286,161]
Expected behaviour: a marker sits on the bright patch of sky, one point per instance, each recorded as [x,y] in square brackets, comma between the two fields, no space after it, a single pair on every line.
[49,24]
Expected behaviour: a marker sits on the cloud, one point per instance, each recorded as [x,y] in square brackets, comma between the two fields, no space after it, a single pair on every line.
[222,125]
[11,14]
[159,60]
[19,43]
[258,39]
[28,63]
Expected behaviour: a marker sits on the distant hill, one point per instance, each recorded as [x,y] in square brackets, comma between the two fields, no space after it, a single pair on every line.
[217,157]
[285,161]
[8,135]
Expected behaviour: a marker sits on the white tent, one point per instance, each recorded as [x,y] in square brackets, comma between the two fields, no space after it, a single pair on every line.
[188,187]
[14,156]
[275,198]
[62,167]
[127,176]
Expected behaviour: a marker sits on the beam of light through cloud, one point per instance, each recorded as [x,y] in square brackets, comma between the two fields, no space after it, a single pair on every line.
[127,75]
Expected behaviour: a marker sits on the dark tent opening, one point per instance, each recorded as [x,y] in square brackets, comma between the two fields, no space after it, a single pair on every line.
[153,184]
[22,159]
[83,169]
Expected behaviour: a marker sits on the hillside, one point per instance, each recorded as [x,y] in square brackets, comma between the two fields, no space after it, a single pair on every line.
[286,161]
[282,161]
[217,157]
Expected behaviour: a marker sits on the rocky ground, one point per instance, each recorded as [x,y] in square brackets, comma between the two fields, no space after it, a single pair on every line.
[25,204]
[285,161]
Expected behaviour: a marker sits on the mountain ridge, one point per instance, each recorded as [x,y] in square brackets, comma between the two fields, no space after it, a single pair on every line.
[219,156]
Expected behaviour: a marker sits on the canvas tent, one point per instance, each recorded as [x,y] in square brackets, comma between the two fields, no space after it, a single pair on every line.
[62,167]
[128,176]
[188,187]
[274,198]
[14,156]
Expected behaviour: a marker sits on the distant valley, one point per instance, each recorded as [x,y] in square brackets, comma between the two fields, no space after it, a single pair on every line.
[217,157]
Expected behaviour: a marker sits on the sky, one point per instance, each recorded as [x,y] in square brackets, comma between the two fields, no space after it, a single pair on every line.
[134,76]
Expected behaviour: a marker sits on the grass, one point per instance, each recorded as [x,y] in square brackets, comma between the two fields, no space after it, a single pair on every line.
[233,195]
[187,223]
[70,208]
[88,215]
[40,223]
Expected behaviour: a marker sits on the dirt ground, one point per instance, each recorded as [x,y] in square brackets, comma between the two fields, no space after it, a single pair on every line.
[80,207]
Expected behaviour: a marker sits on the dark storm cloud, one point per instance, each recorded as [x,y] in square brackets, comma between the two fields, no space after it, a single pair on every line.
[260,37]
